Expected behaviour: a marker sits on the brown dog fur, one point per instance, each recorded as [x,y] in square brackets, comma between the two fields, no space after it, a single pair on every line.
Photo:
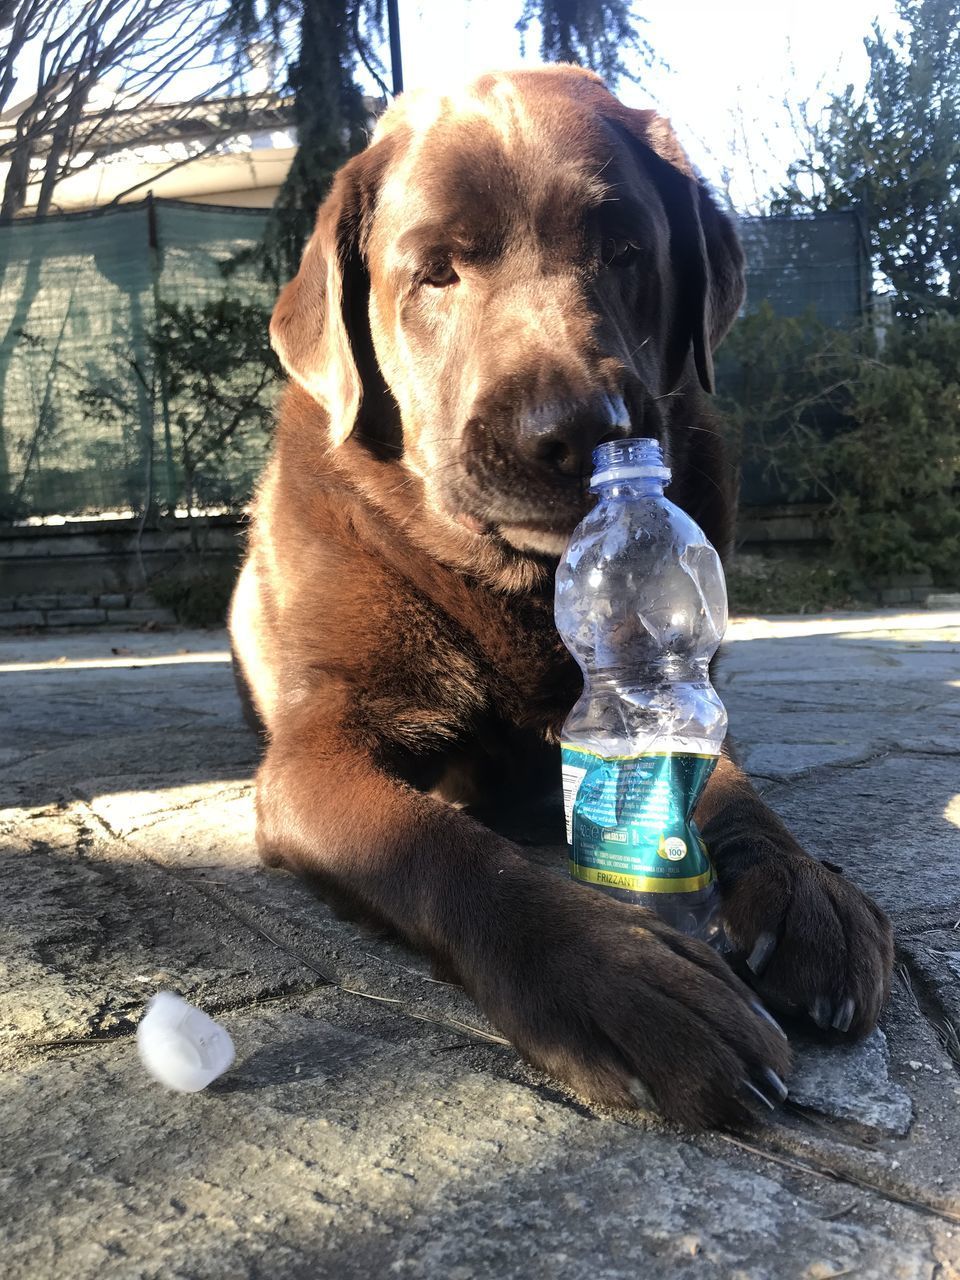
[497,283]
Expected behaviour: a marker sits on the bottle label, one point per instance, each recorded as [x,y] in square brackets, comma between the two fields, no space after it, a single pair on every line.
[629,819]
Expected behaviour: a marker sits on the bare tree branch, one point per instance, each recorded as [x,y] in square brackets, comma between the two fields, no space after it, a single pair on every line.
[138,47]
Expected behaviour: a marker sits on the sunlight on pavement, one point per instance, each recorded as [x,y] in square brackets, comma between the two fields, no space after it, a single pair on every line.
[132,660]
[196,809]
[851,624]
[946,623]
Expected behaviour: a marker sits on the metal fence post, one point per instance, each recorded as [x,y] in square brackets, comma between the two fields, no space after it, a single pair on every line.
[396,61]
[153,241]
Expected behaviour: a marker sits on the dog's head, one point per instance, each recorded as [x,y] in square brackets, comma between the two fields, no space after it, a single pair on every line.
[503,280]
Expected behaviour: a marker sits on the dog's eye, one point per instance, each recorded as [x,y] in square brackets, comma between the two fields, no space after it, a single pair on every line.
[439,275]
[616,252]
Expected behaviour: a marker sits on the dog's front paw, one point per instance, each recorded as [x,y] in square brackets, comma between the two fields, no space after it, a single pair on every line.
[624,1010]
[813,943]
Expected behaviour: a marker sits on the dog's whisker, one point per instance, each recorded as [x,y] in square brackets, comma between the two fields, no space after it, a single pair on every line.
[705,475]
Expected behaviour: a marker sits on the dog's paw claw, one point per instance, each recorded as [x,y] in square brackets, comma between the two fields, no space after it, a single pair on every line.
[756,1093]
[763,949]
[762,1012]
[843,1015]
[641,1095]
[775,1083]
[821,1012]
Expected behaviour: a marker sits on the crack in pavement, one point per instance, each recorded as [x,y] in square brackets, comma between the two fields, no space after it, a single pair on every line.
[883,753]
[206,889]
[928,1005]
[905,1197]
[228,791]
[40,1050]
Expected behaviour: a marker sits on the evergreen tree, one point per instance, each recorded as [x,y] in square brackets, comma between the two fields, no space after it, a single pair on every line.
[328,40]
[324,40]
[593,33]
[895,152]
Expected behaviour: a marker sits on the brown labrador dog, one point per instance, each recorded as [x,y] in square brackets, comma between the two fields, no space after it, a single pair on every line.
[495,285]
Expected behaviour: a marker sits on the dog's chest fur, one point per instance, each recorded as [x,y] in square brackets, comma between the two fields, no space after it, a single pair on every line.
[471,688]
[463,654]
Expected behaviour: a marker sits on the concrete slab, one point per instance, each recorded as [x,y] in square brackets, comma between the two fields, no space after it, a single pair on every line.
[353,1148]
[85,938]
[887,822]
[373,1122]
[852,1082]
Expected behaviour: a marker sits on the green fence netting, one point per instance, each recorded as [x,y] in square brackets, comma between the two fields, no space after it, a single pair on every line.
[797,264]
[812,266]
[79,298]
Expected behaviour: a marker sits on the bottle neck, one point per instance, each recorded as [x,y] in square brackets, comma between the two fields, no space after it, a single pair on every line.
[640,487]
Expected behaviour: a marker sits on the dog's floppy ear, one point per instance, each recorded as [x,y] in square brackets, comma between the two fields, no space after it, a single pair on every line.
[320,325]
[705,253]
[708,269]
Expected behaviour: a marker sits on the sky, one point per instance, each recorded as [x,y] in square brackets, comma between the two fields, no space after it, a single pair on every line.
[723,71]
[729,64]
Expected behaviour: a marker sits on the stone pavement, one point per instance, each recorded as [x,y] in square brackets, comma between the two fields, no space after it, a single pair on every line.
[372,1123]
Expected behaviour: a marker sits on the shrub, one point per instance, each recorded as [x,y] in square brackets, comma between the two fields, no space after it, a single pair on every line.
[873,433]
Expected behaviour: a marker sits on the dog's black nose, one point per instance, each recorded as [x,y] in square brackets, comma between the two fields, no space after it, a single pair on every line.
[561,437]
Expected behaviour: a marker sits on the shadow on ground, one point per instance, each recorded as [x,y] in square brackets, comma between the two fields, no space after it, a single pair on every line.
[368,1124]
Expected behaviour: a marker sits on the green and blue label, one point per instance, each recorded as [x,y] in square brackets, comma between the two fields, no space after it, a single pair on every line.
[630,819]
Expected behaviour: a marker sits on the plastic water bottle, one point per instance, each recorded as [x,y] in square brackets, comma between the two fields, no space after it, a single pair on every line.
[641,604]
